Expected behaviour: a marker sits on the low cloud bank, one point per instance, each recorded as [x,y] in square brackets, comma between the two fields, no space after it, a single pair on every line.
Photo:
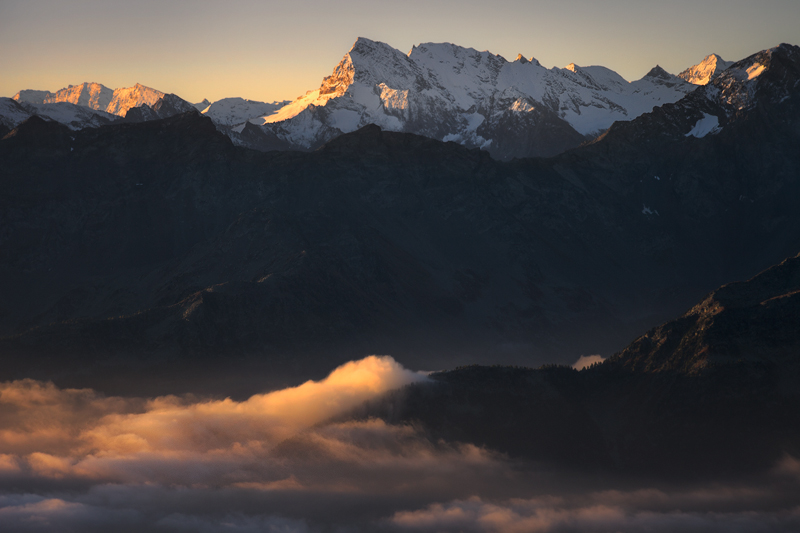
[598,513]
[74,460]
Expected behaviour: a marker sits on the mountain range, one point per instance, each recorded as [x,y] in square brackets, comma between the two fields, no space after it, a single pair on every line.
[94,96]
[132,248]
[441,91]
[478,99]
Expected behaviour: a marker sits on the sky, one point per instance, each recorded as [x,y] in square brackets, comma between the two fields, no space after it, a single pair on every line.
[267,51]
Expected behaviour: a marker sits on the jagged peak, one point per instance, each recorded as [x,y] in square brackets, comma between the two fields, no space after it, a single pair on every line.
[363,41]
[705,71]
[139,87]
[658,72]
[364,46]
[522,60]
[449,50]
[88,85]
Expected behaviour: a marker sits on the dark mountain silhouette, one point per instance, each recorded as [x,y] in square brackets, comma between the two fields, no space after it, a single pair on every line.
[714,392]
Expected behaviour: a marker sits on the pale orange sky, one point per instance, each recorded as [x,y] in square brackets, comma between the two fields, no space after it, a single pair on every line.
[278,50]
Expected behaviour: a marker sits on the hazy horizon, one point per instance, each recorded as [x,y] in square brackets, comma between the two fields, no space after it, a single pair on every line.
[267,52]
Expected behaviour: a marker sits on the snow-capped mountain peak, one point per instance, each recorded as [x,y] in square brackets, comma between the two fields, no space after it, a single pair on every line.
[128,97]
[477,98]
[658,72]
[705,71]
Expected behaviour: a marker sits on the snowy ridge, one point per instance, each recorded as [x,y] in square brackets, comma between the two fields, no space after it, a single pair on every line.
[233,111]
[448,92]
[705,71]
[76,117]
[95,96]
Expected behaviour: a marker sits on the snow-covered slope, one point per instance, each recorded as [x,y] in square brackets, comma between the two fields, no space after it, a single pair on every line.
[200,106]
[12,113]
[479,99]
[95,96]
[76,117]
[705,71]
[233,111]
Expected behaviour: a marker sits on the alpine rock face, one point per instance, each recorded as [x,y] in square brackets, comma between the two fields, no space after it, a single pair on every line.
[95,96]
[705,71]
[478,99]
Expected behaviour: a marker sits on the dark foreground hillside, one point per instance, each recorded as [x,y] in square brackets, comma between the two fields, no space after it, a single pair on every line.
[714,392]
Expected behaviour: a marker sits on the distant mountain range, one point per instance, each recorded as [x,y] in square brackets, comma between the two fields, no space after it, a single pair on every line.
[441,91]
[130,247]
[94,96]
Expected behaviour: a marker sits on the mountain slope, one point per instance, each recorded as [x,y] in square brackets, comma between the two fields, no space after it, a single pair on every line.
[751,322]
[475,98]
